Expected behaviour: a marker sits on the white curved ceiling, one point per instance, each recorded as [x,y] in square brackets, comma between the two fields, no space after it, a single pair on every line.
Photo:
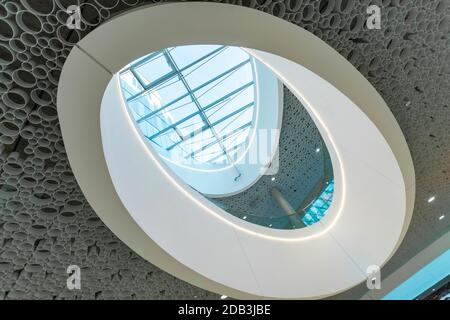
[327,249]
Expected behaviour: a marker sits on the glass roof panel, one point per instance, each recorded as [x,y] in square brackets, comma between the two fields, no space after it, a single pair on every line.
[194,101]
[221,88]
[130,85]
[215,65]
[153,69]
[186,55]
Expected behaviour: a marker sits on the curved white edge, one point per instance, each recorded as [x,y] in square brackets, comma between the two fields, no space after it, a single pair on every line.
[88,163]
[357,143]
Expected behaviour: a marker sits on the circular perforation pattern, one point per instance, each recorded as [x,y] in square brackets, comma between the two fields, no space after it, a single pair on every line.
[46,226]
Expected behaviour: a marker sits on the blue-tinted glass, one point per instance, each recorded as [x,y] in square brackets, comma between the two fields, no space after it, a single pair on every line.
[186,55]
[153,69]
[130,85]
[319,207]
[423,280]
[193,100]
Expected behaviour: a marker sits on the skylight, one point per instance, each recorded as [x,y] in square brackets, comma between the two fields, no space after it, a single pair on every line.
[195,103]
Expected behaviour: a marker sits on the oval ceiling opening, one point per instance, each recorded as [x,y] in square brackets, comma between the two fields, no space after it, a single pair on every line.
[224,123]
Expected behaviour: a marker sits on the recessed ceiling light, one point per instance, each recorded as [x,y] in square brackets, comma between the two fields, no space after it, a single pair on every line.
[431,199]
[223,297]
[270,225]
[317,150]
[273,179]
[244,217]
[442,217]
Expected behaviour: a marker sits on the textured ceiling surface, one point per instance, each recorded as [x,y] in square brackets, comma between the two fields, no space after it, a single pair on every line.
[47,225]
[301,170]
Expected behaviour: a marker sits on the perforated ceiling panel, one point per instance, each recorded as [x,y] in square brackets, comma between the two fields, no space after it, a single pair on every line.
[45,222]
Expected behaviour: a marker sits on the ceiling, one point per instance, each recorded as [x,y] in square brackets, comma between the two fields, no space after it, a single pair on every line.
[47,225]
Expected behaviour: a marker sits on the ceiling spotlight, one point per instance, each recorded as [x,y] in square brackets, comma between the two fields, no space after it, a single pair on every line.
[270,225]
[442,217]
[273,179]
[223,297]
[317,150]
[431,199]
[244,217]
